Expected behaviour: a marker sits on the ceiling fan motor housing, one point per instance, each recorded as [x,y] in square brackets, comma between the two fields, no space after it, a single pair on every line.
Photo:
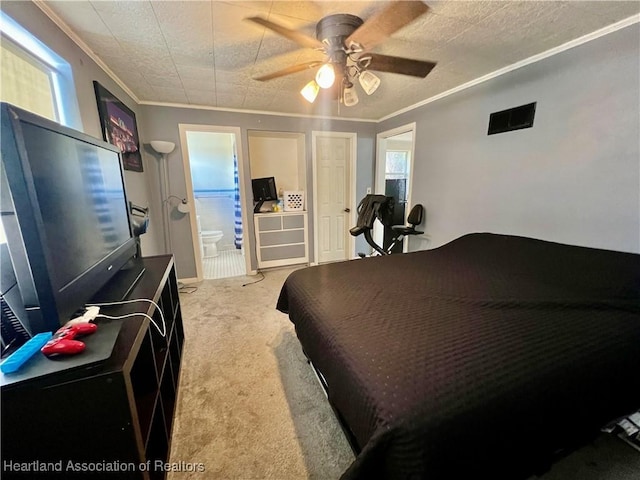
[334,29]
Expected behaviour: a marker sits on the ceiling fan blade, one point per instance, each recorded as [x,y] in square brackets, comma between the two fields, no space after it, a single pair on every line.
[288,71]
[298,37]
[404,66]
[387,21]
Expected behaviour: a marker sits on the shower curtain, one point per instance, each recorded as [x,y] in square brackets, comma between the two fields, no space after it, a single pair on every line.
[236,206]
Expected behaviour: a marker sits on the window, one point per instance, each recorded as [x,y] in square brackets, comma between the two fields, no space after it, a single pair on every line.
[397,164]
[34,77]
[25,82]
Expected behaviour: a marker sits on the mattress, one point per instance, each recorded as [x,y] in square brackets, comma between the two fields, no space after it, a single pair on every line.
[490,354]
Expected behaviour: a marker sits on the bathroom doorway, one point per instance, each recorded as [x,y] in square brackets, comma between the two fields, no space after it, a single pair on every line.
[213,169]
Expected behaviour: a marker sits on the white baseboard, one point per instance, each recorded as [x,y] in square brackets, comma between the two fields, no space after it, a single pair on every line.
[187,281]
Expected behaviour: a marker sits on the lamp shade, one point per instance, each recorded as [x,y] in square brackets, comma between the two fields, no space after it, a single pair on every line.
[349,96]
[184,207]
[161,146]
[369,82]
[310,91]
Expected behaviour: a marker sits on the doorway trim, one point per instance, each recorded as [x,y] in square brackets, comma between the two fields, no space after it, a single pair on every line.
[353,150]
[381,150]
[187,127]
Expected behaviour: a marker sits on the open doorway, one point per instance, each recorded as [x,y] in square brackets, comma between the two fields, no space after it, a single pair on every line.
[394,168]
[213,169]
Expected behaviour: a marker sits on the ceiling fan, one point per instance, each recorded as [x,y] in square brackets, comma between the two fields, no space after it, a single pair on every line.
[346,41]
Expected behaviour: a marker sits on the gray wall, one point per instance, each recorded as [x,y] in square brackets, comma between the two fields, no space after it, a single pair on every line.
[161,123]
[572,178]
[85,71]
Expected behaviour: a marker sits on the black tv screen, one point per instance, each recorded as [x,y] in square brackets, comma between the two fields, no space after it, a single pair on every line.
[65,215]
[81,199]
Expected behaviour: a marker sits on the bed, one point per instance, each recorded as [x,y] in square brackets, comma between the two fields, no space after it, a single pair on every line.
[489,355]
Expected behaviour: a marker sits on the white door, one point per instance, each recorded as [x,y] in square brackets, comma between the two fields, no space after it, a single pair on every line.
[333,155]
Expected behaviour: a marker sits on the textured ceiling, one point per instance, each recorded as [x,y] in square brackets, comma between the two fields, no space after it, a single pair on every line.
[204,53]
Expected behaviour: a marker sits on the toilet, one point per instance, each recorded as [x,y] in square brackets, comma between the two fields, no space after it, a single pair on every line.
[208,240]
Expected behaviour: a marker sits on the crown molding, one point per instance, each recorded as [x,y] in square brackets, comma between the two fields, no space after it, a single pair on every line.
[254,112]
[614,27]
[41,4]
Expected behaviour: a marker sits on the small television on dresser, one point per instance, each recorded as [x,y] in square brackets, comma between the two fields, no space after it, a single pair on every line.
[264,190]
[65,215]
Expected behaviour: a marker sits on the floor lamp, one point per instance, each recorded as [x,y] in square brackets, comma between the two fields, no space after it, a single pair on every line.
[164,148]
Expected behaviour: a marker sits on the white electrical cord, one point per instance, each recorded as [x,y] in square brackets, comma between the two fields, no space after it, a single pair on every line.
[162,331]
[100,315]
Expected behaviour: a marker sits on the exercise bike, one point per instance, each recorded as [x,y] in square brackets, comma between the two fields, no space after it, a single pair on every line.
[380,207]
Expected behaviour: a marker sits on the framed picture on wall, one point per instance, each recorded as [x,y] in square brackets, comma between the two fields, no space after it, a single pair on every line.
[119,128]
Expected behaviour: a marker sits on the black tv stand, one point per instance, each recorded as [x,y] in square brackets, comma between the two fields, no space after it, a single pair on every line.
[258,206]
[120,286]
[119,412]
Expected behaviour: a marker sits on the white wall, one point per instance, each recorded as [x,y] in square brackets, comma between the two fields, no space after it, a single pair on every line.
[211,160]
[572,178]
[279,155]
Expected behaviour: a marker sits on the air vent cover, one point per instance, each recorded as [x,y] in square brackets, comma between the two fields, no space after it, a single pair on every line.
[512,119]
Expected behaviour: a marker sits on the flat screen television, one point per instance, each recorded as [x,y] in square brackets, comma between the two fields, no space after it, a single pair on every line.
[264,190]
[65,215]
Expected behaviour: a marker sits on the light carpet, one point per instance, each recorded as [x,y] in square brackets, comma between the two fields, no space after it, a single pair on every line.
[249,406]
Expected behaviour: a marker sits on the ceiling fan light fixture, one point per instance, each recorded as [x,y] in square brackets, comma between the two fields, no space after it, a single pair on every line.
[349,95]
[310,91]
[326,76]
[346,41]
[369,82]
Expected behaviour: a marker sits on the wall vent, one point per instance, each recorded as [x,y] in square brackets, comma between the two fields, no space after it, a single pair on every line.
[512,119]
